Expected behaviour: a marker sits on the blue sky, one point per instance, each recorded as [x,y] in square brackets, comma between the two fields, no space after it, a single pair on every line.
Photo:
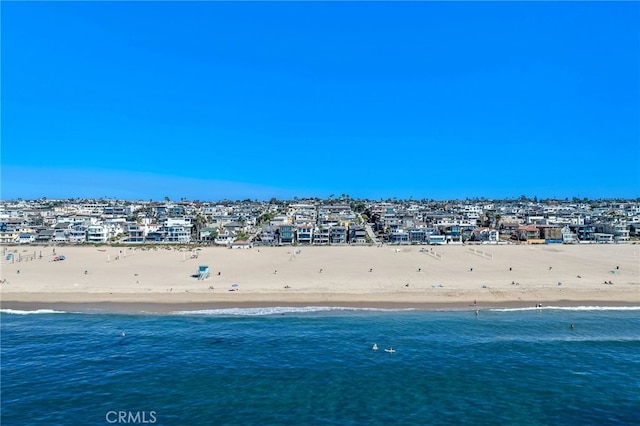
[212,100]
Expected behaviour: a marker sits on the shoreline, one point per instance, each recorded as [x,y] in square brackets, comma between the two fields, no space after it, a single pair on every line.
[127,304]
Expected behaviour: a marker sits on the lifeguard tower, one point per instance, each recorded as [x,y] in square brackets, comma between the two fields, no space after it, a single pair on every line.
[203,272]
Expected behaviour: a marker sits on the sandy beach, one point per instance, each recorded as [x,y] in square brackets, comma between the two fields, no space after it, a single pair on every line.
[164,279]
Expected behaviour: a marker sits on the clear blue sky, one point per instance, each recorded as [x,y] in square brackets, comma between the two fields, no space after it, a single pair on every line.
[211,100]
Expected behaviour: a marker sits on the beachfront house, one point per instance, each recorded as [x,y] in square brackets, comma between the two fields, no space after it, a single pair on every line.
[178,234]
[338,235]
[603,238]
[8,233]
[321,236]
[451,232]
[304,234]
[619,231]
[528,233]
[357,234]
[60,236]
[78,234]
[399,237]
[155,236]
[136,233]
[550,233]
[569,237]
[25,239]
[436,239]
[225,236]
[97,234]
[510,229]
[268,235]
[285,233]
[485,235]
[584,232]
[208,234]
[45,236]
[417,235]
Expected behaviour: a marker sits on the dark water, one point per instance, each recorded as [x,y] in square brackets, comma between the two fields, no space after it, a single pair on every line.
[317,366]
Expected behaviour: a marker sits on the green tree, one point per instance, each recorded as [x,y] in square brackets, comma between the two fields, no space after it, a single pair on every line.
[201,222]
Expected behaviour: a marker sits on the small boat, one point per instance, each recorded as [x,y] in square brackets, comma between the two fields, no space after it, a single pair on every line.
[390,350]
[375,347]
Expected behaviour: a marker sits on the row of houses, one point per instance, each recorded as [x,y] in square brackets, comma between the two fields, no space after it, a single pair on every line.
[317,222]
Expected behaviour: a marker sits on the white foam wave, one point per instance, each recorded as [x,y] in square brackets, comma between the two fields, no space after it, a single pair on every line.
[34,312]
[279,310]
[570,308]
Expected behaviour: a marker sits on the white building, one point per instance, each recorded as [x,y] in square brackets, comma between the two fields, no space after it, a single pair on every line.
[97,234]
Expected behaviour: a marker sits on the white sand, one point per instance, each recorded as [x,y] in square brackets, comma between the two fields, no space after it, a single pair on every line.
[434,274]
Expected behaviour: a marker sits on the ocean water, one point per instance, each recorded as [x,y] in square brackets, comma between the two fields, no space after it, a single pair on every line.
[316,366]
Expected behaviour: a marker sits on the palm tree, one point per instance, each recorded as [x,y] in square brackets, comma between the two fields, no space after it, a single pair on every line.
[201,222]
[496,219]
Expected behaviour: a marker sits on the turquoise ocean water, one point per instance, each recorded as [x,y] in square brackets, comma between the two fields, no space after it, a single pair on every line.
[316,366]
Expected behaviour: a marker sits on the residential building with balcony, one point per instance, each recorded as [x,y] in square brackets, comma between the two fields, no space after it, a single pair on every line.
[485,235]
[304,234]
[286,234]
[321,236]
[357,234]
[97,234]
[338,235]
[528,233]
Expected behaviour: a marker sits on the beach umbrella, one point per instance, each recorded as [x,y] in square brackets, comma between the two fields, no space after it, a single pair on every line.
[234,285]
